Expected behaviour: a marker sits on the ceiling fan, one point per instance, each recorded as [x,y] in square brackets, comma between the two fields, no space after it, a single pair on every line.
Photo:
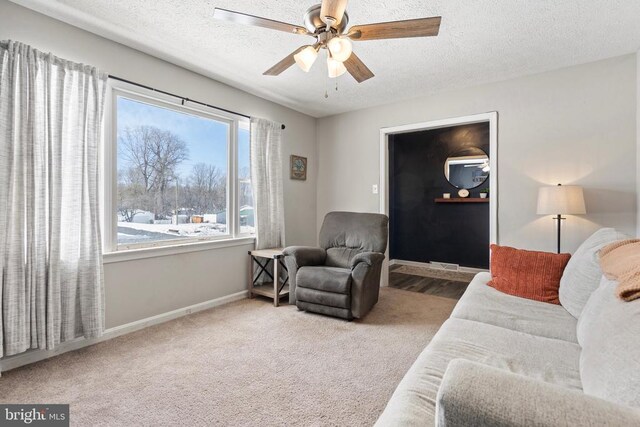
[327,23]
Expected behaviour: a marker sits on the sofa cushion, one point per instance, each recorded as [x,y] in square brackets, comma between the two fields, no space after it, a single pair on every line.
[582,274]
[609,331]
[590,315]
[528,274]
[484,304]
[328,279]
[549,360]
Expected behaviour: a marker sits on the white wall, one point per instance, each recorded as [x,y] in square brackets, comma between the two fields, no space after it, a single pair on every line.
[638,139]
[574,126]
[142,288]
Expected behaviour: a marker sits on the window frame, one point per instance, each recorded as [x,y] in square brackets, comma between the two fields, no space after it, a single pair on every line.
[111,249]
[238,184]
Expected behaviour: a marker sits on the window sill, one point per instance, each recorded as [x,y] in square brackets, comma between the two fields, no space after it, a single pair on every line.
[133,254]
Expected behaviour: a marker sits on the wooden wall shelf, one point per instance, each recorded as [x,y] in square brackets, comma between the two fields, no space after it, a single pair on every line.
[462,200]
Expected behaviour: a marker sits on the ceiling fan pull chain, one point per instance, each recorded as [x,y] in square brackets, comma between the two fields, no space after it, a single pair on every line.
[326,87]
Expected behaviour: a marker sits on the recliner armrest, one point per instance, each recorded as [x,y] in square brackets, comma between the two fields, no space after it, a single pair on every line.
[475,394]
[370,258]
[306,255]
[301,256]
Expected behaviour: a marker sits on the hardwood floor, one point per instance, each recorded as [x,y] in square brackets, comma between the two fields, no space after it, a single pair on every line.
[427,285]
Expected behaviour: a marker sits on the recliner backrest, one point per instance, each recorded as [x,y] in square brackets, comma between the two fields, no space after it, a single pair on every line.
[345,234]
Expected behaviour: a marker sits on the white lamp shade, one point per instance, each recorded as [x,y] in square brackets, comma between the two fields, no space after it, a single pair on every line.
[305,58]
[340,48]
[336,68]
[561,200]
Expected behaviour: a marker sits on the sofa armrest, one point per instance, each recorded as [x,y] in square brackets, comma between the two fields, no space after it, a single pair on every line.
[370,258]
[480,395]
[301,256]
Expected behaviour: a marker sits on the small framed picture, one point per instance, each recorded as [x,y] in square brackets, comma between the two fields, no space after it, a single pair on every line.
[298,167]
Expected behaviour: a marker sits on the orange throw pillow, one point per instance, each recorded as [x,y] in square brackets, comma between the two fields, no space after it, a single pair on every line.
[527,274]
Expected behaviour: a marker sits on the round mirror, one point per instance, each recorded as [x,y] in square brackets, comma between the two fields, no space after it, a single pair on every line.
[467,168]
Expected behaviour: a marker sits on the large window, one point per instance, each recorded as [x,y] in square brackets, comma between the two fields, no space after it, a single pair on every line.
[181,173]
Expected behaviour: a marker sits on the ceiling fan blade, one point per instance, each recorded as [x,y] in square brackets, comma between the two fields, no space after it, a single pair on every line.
[243,18]
[424,27]
[357,69]
[332,11]
[283,65]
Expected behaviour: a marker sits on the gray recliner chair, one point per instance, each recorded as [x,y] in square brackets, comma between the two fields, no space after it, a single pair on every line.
[341,278]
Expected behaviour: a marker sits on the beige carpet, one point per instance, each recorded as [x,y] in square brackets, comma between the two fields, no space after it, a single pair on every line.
[246,363]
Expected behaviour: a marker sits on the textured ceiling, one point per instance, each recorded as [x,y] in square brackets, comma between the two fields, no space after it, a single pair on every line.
[480,41]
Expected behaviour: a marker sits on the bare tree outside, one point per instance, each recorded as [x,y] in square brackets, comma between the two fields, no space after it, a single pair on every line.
[206,189]
[172,175]
[132,196]
[153,156]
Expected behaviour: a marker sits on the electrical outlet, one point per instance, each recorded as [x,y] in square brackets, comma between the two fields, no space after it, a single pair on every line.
[374,188]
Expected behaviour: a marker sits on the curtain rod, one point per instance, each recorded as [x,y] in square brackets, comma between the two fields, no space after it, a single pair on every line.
[179,97]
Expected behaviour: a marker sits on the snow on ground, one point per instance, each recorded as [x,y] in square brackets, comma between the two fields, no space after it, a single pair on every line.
[130,232]
[184,230]
[247,229]
[131,238]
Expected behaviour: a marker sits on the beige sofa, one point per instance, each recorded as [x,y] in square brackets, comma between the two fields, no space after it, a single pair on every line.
[501,360]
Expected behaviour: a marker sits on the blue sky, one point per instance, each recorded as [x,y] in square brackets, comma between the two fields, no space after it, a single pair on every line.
[206,139]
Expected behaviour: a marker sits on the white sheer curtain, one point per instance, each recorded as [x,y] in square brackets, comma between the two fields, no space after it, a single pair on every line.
[51,286]
[266,178]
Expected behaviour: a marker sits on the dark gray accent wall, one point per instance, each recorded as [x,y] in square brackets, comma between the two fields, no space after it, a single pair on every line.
[420,229]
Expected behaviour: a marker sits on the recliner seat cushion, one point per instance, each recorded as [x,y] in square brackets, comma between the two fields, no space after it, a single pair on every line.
[327,279]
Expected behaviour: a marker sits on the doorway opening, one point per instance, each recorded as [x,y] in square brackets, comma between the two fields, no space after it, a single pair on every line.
[439,189]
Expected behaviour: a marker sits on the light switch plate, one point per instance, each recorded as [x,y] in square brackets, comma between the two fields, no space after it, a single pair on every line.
[374,188]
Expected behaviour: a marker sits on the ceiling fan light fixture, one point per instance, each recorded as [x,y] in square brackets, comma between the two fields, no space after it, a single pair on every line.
[340,48]
[305,58]
[336,68]
[327,23]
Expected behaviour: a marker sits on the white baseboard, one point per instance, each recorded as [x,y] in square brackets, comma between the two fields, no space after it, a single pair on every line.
[12,362]
[429,265]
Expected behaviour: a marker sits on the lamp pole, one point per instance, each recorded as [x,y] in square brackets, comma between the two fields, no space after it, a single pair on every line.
[559,200]
[559,218]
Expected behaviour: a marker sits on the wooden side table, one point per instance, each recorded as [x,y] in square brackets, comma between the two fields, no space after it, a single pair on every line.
[276,288]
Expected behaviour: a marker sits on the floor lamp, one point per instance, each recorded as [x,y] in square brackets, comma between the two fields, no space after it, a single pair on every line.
[561,200]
